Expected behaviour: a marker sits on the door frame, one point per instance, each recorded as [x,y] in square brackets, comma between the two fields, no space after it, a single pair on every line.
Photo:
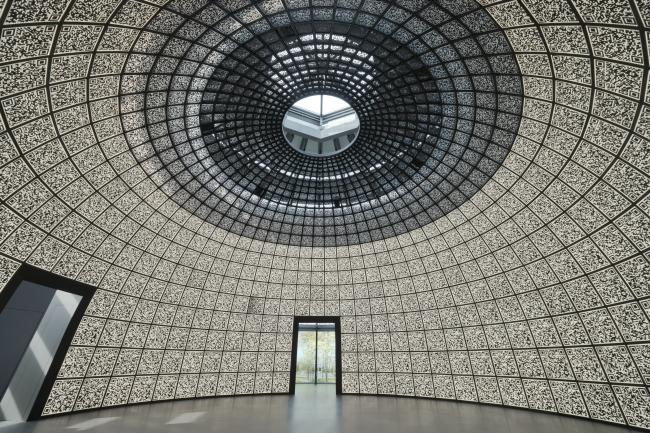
[297,320]
[36,275]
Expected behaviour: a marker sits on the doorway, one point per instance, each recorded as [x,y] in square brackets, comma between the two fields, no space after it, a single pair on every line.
[39,313]
[316,362]
[316,357]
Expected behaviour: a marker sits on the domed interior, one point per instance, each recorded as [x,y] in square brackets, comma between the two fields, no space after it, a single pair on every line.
[483,236]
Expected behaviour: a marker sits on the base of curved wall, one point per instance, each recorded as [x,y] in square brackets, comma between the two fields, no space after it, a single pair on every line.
[314,408]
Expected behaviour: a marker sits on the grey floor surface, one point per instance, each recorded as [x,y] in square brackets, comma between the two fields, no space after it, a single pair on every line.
[313,409]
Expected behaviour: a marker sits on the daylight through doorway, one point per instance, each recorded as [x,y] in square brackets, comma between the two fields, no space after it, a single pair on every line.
[316,360]
[316,352]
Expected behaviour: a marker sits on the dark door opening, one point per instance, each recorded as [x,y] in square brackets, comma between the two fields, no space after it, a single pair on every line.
[39,313]
[316,357]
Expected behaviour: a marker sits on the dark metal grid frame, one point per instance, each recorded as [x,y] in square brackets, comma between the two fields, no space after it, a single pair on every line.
[247,95]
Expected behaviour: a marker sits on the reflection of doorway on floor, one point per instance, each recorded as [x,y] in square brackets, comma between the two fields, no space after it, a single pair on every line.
[316,358]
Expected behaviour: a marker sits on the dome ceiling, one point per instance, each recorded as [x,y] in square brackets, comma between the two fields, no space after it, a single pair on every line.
[485,239]
[436,122]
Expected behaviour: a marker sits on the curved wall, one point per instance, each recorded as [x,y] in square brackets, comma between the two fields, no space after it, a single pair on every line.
[526,287]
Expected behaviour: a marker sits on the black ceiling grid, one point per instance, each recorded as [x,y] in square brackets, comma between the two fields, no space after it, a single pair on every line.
[421,151]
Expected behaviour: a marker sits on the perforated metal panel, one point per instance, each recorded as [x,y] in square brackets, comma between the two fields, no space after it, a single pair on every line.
[485,238]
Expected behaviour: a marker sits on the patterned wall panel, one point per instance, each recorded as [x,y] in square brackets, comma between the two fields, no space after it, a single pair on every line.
[485,239]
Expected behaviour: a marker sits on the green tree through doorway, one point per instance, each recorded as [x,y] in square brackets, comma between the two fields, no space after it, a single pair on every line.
[326,357]
[305,369]
[316,360]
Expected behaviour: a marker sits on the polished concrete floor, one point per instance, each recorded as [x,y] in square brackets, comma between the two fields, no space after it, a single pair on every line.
[314,409]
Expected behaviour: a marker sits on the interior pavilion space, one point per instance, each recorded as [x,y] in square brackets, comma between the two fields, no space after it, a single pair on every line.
[324,215]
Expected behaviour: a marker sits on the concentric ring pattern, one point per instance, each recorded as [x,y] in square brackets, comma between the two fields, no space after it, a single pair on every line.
[485,239]
[423,78]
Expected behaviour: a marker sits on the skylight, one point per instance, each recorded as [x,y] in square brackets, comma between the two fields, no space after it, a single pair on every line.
[320,125]
[330,104]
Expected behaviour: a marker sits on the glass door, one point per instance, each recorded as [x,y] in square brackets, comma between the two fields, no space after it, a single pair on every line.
[326,357]
[306,365]
[316,360]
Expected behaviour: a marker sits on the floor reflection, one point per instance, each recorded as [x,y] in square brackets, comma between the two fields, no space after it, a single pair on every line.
[314,409]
